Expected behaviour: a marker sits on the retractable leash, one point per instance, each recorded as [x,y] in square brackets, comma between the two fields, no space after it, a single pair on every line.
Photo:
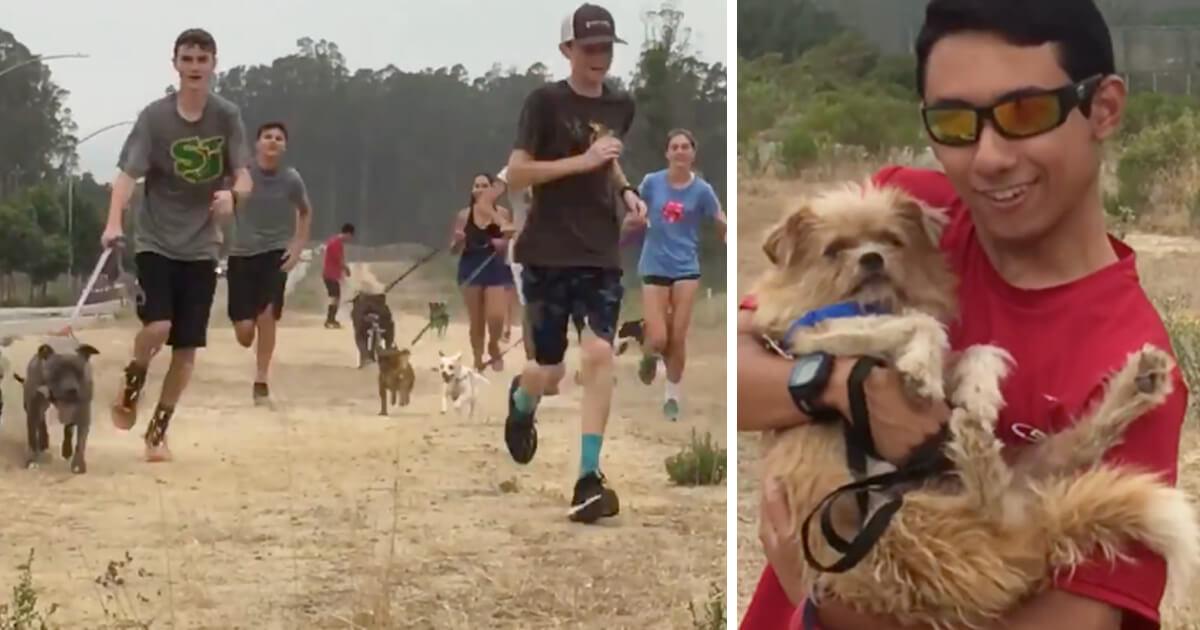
[117,244]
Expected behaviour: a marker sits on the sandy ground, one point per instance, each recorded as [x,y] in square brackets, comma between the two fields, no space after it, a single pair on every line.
[322,514]
[1168,266]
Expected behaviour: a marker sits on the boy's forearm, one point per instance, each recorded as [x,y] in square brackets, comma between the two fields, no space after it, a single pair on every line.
[122,192]
[763,400]
[524,172]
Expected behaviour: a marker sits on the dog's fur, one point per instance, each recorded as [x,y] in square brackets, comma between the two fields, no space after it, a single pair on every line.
[63,380]
[361,305]
[963,549]
[396,377]
[439,318]
[627,333]
[458,383]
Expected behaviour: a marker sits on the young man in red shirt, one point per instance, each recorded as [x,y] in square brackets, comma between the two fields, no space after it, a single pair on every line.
[1019,98]
[334,270]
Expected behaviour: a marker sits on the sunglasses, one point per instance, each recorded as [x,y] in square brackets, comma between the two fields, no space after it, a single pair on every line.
[1017,116]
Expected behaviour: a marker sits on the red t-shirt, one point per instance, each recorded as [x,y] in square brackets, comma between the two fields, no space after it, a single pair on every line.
[1065,340]
[335,258]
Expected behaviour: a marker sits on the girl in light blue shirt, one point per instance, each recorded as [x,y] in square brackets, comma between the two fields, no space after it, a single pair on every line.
[678,201]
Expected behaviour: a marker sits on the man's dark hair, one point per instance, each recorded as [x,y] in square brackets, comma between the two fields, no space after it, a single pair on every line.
[197,37]
[1076,26]
[347,228]
[272,125]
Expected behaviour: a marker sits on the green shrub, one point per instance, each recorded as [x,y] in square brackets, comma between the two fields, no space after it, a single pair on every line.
[1148,109]
[22,612]
[712,614]
[799,148]
[700,463]
[1184,330]
[1151,153]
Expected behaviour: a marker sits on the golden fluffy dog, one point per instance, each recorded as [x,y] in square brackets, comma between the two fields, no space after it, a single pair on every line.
[968,546]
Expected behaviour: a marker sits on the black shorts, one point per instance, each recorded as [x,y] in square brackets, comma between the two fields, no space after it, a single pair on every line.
[177,291]
[556,295]
[665,281]
[255,283]
[333,288]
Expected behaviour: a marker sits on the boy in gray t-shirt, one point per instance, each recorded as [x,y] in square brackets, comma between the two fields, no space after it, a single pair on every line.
[269,233]
[187,145]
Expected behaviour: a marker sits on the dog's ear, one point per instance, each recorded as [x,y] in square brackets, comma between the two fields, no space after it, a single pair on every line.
[924,220]
[456,357]
[86,351]
[44,351]
[785,241]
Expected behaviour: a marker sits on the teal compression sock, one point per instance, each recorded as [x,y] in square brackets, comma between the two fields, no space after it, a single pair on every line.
[589,454]
[524,401]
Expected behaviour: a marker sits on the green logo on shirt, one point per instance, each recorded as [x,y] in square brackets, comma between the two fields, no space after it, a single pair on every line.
[199,160]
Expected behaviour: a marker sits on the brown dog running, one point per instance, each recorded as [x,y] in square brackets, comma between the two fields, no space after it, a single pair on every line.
[396,377]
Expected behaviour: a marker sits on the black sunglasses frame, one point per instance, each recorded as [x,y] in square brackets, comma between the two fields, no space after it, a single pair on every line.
[1069,97]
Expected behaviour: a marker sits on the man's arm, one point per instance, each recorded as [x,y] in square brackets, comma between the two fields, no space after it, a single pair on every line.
[122,192]
[763,401]
[524,171]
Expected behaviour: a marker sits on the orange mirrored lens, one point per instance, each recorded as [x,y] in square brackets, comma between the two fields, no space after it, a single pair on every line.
[1028,115]
[952,125]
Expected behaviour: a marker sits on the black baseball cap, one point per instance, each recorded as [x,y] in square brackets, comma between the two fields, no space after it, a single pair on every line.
[588,24]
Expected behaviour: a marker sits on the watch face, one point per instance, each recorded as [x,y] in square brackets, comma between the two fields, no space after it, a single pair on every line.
[805,370]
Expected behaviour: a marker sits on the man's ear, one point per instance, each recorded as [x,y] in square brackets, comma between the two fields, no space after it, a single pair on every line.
[1108,107]
[784,242]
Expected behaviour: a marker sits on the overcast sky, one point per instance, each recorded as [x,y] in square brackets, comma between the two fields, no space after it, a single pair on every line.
[129,42]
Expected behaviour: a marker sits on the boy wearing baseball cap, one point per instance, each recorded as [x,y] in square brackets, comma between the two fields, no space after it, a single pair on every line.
[567,150]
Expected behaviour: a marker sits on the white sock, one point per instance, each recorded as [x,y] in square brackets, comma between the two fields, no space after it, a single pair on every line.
[672,390]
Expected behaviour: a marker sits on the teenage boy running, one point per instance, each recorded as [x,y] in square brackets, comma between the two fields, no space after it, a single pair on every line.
[269,233]
[567,150]
[186,145]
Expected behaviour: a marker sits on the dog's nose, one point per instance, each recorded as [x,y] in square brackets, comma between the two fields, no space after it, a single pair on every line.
[871,261]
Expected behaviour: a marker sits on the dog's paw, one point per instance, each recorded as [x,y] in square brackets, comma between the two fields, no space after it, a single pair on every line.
[1153,371]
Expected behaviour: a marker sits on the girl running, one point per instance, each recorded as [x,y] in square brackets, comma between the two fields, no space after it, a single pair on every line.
[677,200]
[481,234]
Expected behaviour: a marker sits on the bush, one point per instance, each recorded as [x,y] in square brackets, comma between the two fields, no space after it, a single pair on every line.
[700,463]
[712,615]
[22,612]
[1152,153]
[799,148]
[1184,330]
[1148,109]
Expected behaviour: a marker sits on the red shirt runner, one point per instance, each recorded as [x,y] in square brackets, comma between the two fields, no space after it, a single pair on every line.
[335,258]
[1066,340]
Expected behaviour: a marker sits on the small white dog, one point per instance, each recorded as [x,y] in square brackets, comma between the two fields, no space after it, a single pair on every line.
[458,383]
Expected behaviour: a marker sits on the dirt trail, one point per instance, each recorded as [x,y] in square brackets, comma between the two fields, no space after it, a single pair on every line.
[315,514]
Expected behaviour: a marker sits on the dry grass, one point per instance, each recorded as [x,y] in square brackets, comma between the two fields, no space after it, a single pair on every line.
[322,515]
[1168,267]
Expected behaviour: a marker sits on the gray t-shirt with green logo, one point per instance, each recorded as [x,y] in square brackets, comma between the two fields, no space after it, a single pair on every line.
[267,221]
[184,164]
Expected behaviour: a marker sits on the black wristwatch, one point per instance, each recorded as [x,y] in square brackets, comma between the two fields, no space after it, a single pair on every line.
[628,188]
[807,382]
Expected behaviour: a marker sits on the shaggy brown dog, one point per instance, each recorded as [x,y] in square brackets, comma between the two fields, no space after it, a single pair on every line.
[396,377]
[965,547]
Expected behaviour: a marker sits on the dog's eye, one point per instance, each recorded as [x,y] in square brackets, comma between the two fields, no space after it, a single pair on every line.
[893,239]
[837,247]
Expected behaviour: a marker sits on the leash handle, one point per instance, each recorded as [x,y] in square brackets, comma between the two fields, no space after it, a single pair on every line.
[117,243]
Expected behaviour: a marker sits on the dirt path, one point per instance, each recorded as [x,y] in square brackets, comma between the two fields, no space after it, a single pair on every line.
[322,514]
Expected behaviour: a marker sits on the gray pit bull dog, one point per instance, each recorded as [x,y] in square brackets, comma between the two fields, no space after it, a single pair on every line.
[62,379]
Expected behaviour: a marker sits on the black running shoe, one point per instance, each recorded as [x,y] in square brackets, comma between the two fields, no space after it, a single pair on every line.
[593,499]
[520,434]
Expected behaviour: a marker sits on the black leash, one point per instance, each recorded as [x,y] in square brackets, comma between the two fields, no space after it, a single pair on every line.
[413,268]
[925,462]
